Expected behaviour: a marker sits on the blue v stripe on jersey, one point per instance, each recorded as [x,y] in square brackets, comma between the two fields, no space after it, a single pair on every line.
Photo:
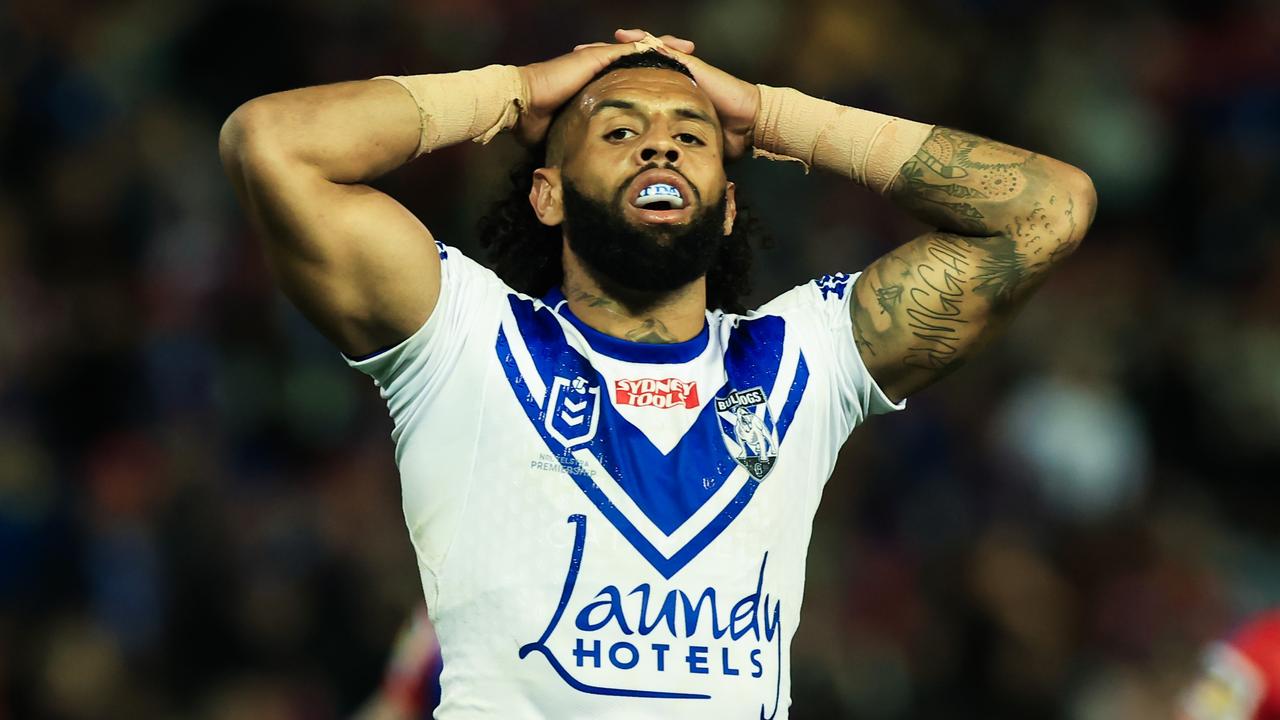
[667,488]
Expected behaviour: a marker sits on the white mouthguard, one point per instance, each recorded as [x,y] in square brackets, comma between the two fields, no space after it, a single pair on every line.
[660,192]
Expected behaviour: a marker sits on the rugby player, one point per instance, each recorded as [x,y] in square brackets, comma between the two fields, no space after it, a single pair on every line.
[610,467]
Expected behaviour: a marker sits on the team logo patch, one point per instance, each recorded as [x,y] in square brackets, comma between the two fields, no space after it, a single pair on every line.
[648,392]
[748,429]
[574,411]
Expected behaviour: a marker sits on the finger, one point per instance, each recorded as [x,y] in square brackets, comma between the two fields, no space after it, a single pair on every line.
[684,57]
[636,35]
[608,52]
[696,65]
[671,41]
[675,53]
[583,46]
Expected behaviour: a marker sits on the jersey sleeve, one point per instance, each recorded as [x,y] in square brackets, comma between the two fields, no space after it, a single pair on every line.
[820,310]
[424,381]
[410,373]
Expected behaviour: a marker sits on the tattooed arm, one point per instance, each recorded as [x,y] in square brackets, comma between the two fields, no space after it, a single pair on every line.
[1004,217]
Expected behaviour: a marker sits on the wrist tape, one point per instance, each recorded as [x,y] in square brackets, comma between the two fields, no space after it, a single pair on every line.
[468,105]
[862,145]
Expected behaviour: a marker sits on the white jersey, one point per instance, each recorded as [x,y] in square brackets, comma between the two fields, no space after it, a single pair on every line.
[609,529]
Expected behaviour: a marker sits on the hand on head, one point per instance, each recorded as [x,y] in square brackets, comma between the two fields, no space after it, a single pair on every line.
[553,82]
[638,36]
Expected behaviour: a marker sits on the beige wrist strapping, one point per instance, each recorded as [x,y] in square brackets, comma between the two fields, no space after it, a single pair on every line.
[866,146]
[468,105]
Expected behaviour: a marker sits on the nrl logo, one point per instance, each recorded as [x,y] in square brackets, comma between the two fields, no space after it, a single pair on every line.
[748,430]
[573,411]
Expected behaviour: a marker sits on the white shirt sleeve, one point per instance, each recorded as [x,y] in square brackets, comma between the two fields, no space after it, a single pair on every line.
[428,381]
[820,312]
[411,373]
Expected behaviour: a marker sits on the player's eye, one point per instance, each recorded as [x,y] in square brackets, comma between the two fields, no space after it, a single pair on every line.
[690,138]
[620,134]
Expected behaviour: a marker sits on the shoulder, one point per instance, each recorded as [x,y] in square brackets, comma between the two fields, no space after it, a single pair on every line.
[455,264]
[827,295]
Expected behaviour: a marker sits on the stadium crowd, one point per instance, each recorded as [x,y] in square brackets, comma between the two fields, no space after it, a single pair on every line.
[198,506]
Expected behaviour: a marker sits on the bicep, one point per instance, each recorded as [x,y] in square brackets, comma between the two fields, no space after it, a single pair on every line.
[357,264]
[924,308]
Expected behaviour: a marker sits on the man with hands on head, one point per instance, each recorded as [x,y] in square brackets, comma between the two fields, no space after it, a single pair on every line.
[599,531]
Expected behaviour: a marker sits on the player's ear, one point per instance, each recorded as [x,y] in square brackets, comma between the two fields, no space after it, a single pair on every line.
[545,196]
[730,207]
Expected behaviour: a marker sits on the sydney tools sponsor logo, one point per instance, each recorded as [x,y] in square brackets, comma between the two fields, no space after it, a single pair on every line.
[648,392]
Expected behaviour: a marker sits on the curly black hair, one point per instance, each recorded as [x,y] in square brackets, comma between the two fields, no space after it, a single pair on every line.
[527,254]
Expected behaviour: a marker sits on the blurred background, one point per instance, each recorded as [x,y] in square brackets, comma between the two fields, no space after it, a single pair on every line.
[199,512]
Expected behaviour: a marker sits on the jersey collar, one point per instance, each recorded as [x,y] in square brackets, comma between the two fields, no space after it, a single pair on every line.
[626,350]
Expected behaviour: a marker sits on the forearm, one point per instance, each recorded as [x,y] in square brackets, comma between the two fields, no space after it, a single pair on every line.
[356,131]
[1036,208]
[1023,212]
[864,146]
[969,185]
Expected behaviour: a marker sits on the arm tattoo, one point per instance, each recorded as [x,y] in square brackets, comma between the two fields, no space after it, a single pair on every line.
[1001,197]
[1002,220]
[954,176]
[934,305]
[1001,270]
[889,296]
[860,334]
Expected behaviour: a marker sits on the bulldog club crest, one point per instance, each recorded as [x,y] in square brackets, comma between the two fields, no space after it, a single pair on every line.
[748,429]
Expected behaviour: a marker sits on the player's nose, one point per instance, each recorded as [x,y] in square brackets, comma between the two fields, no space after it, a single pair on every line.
[658,149]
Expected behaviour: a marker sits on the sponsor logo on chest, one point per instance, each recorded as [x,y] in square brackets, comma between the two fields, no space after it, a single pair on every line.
[649,639]
[660,393]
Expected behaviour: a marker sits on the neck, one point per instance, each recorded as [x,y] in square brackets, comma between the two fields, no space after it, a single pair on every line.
[639,317]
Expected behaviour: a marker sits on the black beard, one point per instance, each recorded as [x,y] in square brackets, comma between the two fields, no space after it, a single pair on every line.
[638,264]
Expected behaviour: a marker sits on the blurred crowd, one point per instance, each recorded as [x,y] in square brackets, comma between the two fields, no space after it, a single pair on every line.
[199,512]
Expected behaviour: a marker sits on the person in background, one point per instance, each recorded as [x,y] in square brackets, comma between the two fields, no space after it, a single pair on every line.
[1240,679]
[410,687]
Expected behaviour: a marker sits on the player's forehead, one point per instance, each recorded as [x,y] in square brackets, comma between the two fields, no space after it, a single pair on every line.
[648,89]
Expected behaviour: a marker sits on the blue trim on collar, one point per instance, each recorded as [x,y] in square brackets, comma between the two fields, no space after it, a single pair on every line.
[626,350]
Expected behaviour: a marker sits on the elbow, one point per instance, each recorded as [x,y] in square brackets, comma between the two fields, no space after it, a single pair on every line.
[1065,208]
[231,138]
[247,137]
[1083,201]
[239,131]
